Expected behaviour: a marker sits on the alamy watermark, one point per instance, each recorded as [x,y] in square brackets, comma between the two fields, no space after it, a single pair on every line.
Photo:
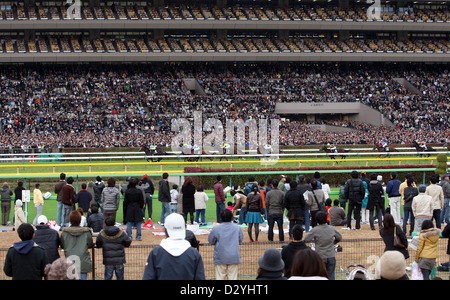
[74,10]
[232,141]
[374,11]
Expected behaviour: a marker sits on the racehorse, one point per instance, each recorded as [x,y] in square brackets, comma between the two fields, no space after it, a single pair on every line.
[381,149]
[195,156]
[151,152]
[420,149]
[338,152]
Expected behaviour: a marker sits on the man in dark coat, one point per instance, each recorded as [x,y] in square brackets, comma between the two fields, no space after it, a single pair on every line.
[133,202]
[376,201]
[98,187]
[47,238]
[354,191]
[164,196]
[25,260]
[83,198]
[113,240]
[295,204]
[149,189]
[288,251]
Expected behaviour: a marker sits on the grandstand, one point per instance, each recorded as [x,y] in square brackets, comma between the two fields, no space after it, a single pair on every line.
[116,74]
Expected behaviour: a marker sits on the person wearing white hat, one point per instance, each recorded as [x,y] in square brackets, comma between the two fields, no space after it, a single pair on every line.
[391,266]
[47,238]
[19,216]
[174,258]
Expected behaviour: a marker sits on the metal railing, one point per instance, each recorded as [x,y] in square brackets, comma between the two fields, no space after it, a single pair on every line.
[365,252]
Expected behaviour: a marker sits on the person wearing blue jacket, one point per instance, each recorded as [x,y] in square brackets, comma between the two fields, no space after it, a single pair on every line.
[226,238]
[393,192]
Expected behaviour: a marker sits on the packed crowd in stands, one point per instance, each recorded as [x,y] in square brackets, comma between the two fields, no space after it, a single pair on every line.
[128,106]
[249,43]
[192,11]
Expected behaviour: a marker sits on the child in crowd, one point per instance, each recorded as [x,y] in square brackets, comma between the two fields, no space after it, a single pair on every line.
[200,199]
[328,203]
[174,198]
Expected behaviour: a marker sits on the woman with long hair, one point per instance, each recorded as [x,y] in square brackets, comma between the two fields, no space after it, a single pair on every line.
[188,190]
[308,264]
[388,233]
[255,212]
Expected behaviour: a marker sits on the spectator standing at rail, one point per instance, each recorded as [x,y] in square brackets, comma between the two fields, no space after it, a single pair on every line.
[98,187]
[219,197]
[38,201]
[200,198]
[174,258]
[164,196]
[275,208]
[47,238]
[188,191]
[255,212]
[314,199]
[95,220]
[19,215]
[295,204]
[375,201]
[113,241]
[226,238]
[408,195]
[110,199]
[393,193]
[303,186]
[281,184]
[325,237]
[6,199]
[388,233]
[18,190]
[422,207]
[25,260]
[133,202]
[437,194]
[68,199]
[354,192]
[149,190]
[60,206]
[76,242]
[83,198]
[288,251]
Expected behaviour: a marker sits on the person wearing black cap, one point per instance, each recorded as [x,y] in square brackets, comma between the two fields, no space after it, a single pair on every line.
[271,266]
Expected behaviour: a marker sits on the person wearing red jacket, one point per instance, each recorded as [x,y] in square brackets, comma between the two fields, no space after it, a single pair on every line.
[219,198]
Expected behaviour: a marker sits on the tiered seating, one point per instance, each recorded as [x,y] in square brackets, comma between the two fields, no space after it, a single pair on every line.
[245,12]
[232,44]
